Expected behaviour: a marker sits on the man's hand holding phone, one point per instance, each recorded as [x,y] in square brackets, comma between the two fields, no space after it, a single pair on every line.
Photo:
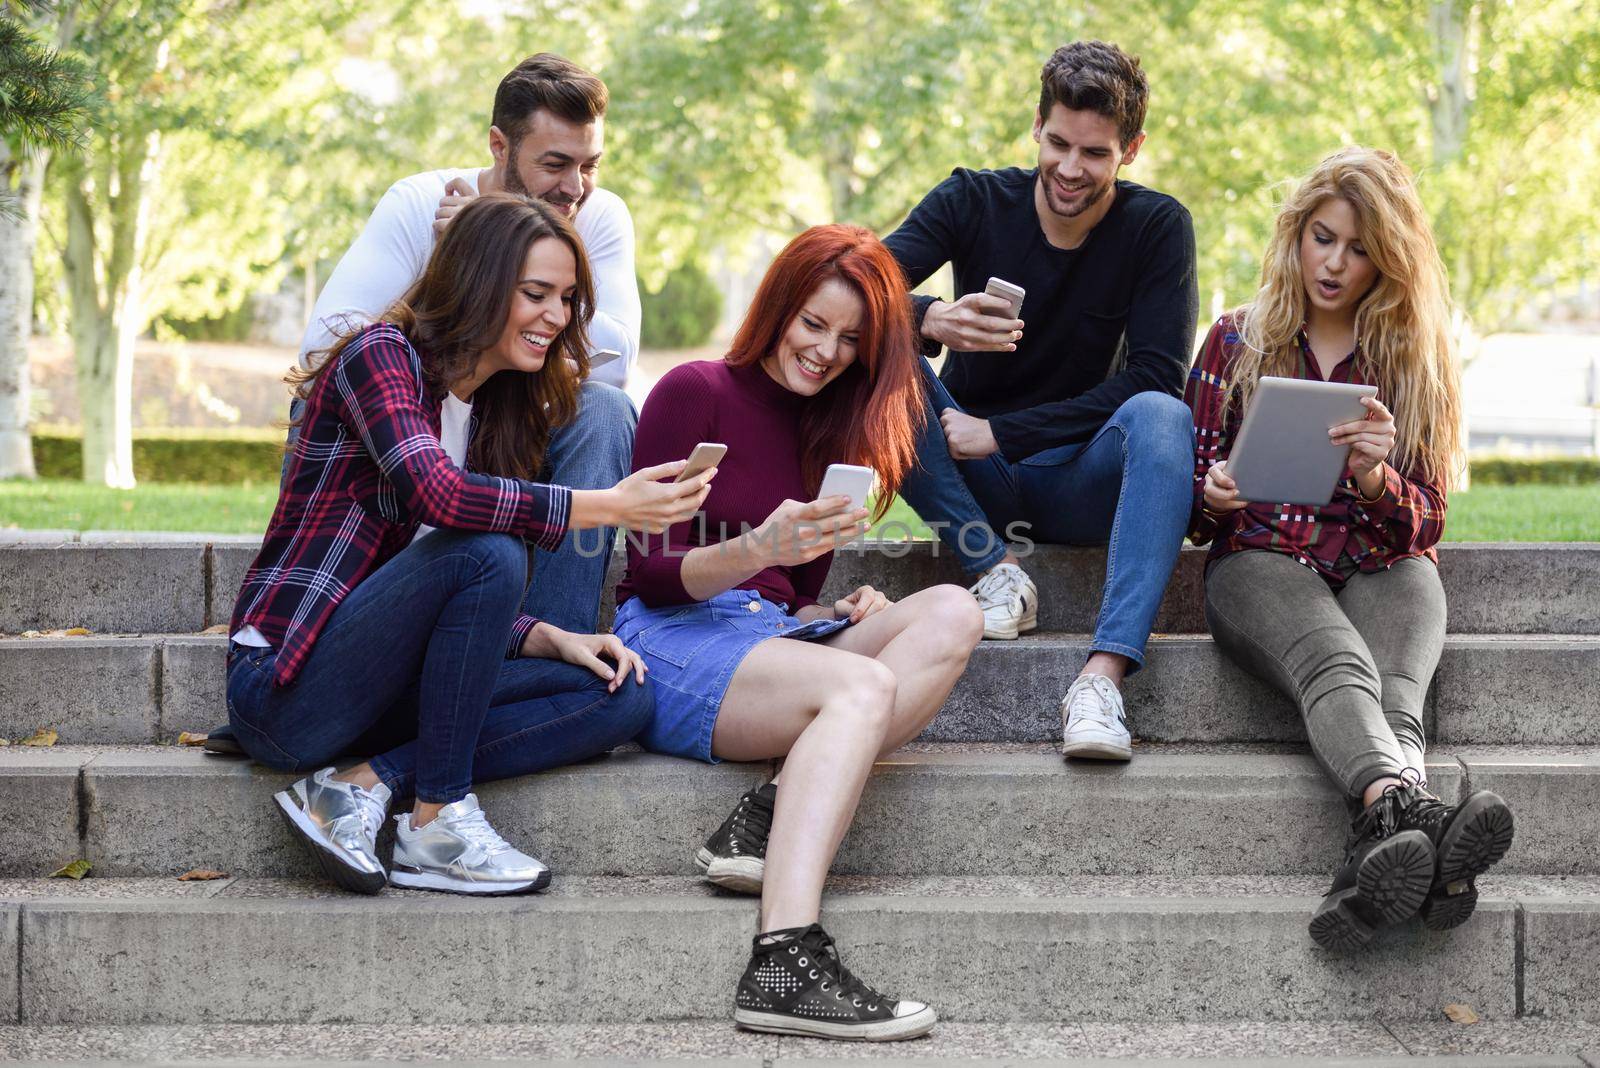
[978,322]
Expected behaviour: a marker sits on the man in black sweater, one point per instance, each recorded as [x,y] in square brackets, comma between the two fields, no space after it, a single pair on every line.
[1063,423]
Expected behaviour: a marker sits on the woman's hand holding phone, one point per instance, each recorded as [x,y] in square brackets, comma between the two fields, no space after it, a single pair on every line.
[797,532]
[647,500]
[1221,491]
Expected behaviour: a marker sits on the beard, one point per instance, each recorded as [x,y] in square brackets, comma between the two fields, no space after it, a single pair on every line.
[515,184]
[1067,211]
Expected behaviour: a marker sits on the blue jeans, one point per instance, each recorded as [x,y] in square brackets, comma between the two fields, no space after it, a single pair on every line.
[594,451]
[411,666]
[1128,488]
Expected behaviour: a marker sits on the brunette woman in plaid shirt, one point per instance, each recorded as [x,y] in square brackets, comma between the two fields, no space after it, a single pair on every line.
[381,615]
[1341,606]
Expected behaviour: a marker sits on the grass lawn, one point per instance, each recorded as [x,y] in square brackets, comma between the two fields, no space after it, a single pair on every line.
[1488,513]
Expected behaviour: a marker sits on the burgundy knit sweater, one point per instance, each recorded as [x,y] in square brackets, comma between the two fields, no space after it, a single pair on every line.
[759,421]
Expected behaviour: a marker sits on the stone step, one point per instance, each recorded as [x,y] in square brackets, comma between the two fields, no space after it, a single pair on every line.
[1489,689]
[929,810]
[118,581]
[1375,1043]
[644,950]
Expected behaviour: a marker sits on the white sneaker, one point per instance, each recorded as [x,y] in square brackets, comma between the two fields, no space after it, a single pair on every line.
[1010,602]
[1093,724]
[458,852]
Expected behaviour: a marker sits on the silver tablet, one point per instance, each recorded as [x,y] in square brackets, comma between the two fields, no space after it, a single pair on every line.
[1282,454]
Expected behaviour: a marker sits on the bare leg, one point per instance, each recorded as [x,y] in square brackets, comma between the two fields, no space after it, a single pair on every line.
[926,640]
[830,711]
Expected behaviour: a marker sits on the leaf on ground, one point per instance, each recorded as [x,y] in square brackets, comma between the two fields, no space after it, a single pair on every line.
[1461,1014]
[76,632]
[76,870]
[199,875]
[41,737]
[220,628]
[33,634]
[185,738]
[68,632]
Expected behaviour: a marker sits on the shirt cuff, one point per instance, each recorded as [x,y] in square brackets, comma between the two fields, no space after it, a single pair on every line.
[1388,500]
[558,513]
[1011,439]
[519,633]
[919,311]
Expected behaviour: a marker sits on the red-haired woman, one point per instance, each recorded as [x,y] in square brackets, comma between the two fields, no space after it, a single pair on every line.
[747,664]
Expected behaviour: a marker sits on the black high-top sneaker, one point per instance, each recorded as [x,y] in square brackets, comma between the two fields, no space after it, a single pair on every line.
[1468,839]
[795,984]
[735,856]
[1386,874]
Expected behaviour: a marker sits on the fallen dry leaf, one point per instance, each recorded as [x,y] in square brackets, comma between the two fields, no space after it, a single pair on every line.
[76,870]
[220,628]
[41,737]
[33,634]
[77,632]
[185,738]
[4,742]
[1461,1014]
[199,875]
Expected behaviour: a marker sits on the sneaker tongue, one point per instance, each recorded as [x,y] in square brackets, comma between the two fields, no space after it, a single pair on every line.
[465,807]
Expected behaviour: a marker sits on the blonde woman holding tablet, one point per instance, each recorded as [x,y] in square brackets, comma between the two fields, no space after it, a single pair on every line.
[1340,605]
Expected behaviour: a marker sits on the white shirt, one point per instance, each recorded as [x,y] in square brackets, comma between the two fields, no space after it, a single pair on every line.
[393,248]
[454,417]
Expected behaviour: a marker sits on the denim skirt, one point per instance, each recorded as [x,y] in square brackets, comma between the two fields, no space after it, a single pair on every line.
[692,652]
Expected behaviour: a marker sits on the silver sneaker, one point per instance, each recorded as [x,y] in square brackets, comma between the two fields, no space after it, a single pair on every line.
[460,853]
[1092,722]
[1010,602]
[338,822]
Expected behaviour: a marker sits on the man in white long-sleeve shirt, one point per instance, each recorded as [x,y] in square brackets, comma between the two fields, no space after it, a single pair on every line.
[546,141]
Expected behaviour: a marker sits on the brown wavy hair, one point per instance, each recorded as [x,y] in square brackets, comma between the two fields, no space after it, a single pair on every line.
[871,414]
[459,308]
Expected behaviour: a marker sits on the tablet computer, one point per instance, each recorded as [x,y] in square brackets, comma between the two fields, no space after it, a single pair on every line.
[1282,454]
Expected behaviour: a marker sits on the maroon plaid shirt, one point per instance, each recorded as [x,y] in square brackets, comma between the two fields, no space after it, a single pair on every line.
[366,471]
[1406,520]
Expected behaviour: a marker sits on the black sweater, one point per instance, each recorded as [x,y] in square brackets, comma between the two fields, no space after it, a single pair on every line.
[1129,290]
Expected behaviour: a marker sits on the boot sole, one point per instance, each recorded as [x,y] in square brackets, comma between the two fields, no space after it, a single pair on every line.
[918,1023]
[743,874]
[1480,837]
[331,862]
[1390,887]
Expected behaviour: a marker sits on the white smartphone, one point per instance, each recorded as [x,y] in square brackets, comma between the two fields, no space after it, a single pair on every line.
[999,287]
[601,357]
[848,480]
[707,454]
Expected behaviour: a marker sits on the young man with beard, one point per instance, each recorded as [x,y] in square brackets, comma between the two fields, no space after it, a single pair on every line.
[1063,423]
[545,140]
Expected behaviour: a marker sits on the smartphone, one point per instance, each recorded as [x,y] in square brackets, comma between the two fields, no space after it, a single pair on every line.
[601,357]
[999,287]
[707,454]
[847,480]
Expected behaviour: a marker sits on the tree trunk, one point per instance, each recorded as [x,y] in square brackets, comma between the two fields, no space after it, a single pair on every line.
[1450,98]
[23,179]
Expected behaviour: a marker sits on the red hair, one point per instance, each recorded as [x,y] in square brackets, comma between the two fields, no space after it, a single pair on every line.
[872,413]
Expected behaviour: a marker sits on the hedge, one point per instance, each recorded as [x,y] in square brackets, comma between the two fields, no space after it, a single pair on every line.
[236,456]
[683,313]
[223,457]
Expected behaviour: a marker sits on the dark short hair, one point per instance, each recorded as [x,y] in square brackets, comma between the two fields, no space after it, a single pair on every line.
[1096,76]
[552,83]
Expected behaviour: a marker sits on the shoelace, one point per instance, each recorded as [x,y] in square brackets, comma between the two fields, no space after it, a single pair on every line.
[826,954]
[1098,702]
[752,821]
[997,587]
[372,811]
[1381,816]
[1424,811]
[474,827]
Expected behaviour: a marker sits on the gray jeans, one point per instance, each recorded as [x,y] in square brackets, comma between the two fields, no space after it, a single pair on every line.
[1357,661]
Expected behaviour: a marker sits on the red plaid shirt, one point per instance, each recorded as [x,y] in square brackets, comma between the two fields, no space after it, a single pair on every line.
[366,471]
[1406,520]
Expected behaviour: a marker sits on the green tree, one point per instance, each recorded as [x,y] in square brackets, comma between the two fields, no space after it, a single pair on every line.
[43,100]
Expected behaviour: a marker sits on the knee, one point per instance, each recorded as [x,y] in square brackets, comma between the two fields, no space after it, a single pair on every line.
[1341,667]
[1159,424]
[630,708]
[951,620]
[606,414]
[500,555]
[866,692]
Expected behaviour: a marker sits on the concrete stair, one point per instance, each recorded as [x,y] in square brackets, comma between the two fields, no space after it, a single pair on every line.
[1070,905]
